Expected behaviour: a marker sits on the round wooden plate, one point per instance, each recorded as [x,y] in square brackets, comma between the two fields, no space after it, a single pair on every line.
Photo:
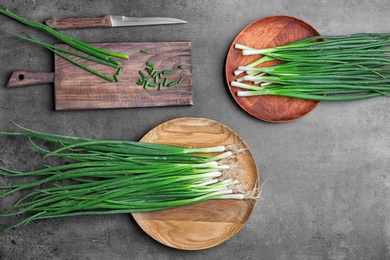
[208,223]
[269,32]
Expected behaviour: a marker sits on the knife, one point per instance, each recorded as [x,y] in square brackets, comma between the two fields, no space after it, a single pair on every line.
[108,21]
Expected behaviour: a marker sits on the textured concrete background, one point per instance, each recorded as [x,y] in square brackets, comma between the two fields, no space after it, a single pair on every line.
[328,182]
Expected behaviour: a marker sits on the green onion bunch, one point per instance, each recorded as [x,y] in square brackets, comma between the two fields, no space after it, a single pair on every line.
[321,68]
[112,177]
[93,53]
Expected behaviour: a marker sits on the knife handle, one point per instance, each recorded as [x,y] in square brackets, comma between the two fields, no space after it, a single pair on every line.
[22,78]
[78,22]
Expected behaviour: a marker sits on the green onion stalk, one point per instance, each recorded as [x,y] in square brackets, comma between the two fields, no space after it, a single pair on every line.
[321,68]
[94,53]
[112,177]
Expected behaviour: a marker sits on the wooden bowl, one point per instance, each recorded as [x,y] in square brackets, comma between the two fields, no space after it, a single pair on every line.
[206,224]
[269,32]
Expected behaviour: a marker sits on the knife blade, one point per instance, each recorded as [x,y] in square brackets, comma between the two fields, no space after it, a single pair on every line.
[108,21]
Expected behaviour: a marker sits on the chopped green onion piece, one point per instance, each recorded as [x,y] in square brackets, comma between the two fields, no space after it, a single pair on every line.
[156,79]
[165,72]
[145,51]
[180,80]
[116,78]
[140,82]
[150,64]
[152,84]
[160,85]
[172,84]
[165,83]
[119,71]
[143,74]
[181,67]
[146,84]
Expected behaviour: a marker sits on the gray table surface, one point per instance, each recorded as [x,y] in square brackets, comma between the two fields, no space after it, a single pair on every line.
[328,182]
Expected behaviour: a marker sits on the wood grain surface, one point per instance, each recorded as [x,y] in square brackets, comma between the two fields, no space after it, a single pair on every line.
[269,32]
[76,88]
[22,78]
[210,223]
[78,22]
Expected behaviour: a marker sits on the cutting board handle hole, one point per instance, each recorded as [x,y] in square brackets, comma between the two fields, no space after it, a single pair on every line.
[21,76]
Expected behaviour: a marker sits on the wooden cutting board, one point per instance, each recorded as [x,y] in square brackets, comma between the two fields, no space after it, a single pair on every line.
[75,88]
[209,223]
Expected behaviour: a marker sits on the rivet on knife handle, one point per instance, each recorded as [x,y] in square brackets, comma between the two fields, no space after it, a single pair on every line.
[78,22]
[22,78]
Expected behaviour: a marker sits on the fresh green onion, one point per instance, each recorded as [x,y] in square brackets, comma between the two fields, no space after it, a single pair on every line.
[92,50]
[99,55]
[145,51]
[112,176]
[322,68]
[318,96]
[83,66]
[77,54]
[180,80]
